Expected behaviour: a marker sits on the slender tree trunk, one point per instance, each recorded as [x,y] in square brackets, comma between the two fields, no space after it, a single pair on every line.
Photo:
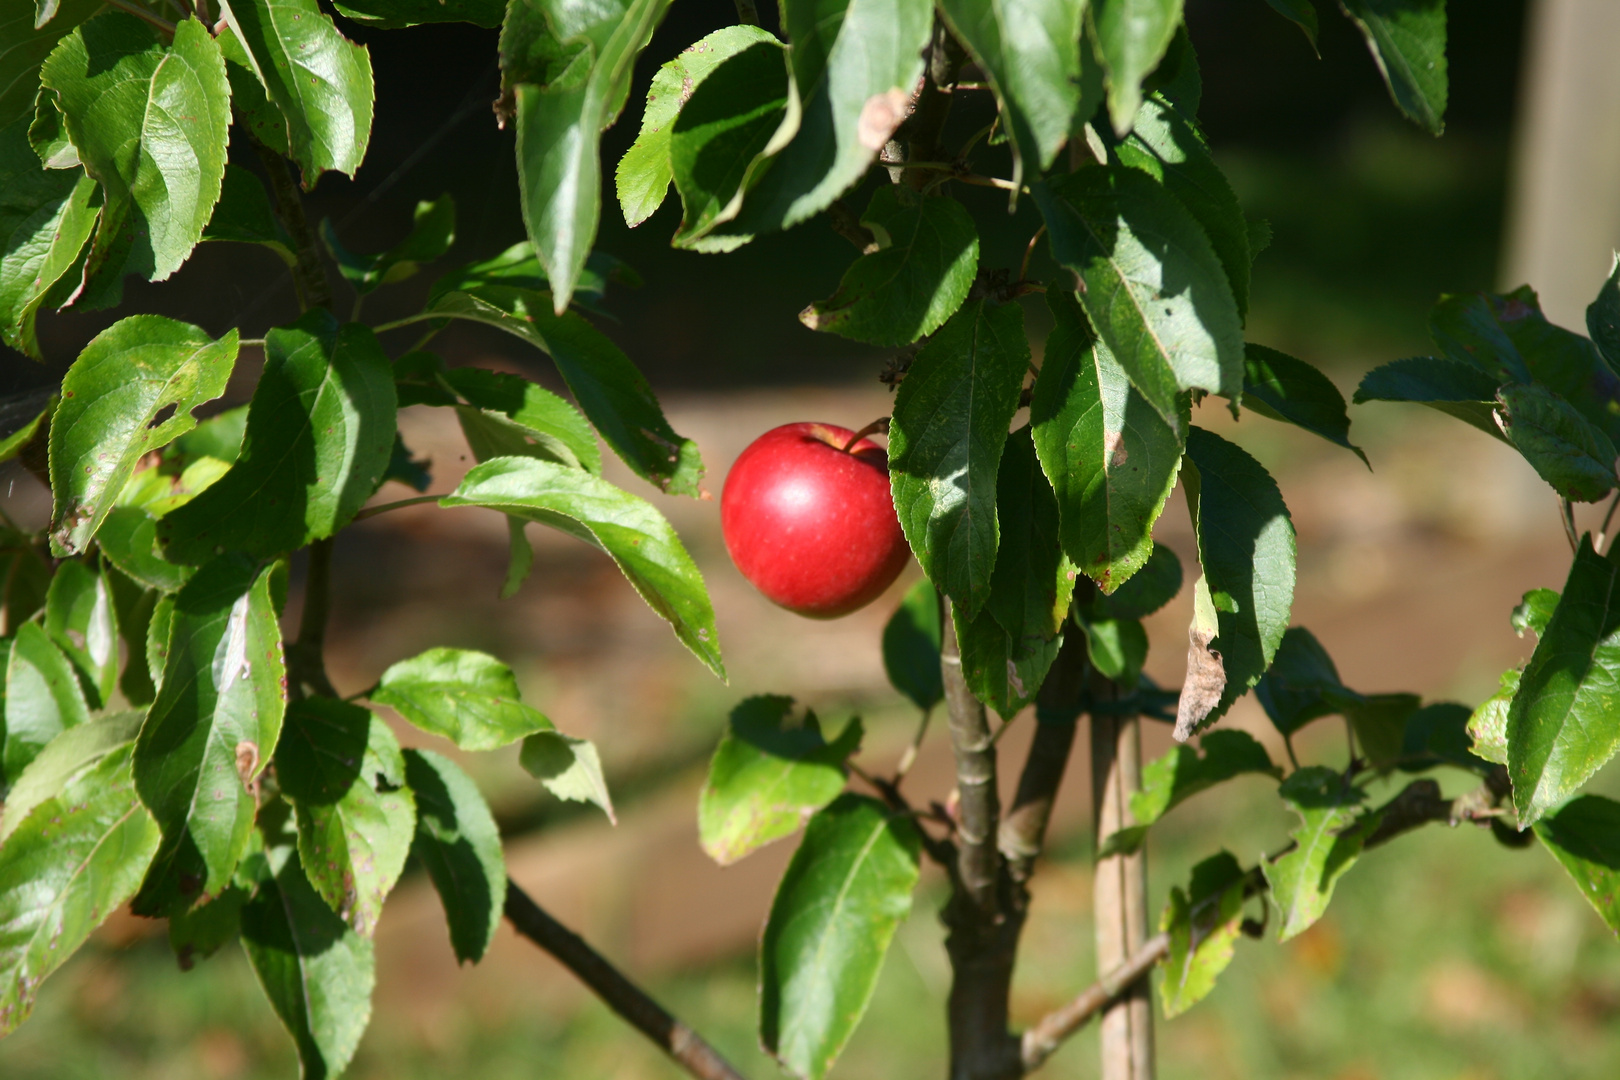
[1121,896]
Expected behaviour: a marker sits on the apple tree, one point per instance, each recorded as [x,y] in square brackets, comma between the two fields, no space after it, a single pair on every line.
[171,739]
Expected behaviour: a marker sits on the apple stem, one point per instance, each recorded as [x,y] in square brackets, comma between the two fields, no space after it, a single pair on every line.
[876,427]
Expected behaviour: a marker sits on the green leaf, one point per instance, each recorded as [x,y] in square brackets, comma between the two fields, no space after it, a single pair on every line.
[911,642]
[26,584]
[1564,722]
[211,730]
[1510,340]
[316,971]
[128,538]
[1132,36]
[393,14]
[149,123]
[456,839]
[855,64]
[320,431]
[67,866]
[113,396]
[644,173]
[1534,612]
[770,773]
[14,444]
[1487,726]
[243,215]
[1328,842]
[570,768]
[45,218]
[1118,648]
[1111,458]
[589,50]
[1004,672]
[43,699]
[1408,43]
[80,620]
[157,639]
[1033,581]
[531,420]
[133,606]
[846,890]
[612,393]
[319,81]
[200,932]
[1302,13]
[1184,771]
[1156,584]
[1456,389]
[1566,450]
[342,770]
[1584,836]
[1030,49]
[250,98]
[950,423]
[1177,77]
[728,122]
[1438,735]
[430,237]
[1203,924]
[1246,547]
[629,529]
[218,437]
[1302,684]
[65,758]
[26,39]
[928,252]
[1603,317]
[1283,388]
[1168,146]
[468,697]
[1150,282]
[518,266]
[521,559]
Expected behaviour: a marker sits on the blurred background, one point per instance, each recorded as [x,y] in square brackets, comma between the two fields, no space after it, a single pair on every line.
[1442,956]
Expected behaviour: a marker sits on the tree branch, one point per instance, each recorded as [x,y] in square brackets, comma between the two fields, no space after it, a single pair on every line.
[1040,1041]
[306,656]
[747,13]
[1057,710]
[1419,803]
[309,271]
[847,223]
[689,1049]
[978,804]
[1120,889]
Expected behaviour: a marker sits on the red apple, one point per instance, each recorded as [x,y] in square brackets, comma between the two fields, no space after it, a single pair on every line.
[810,524]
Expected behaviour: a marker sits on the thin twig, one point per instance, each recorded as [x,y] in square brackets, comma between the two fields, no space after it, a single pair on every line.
[689,1049]
[1419,803]
[847,223]
[747,13]
[141,13]
[306,656]
[1046,1036]
[1608,518]
[909,758]
[1566,516]
[417,500]
[309,272]
[1023,267]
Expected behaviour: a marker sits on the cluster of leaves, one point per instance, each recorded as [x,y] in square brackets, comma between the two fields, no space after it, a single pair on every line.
[161,743]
